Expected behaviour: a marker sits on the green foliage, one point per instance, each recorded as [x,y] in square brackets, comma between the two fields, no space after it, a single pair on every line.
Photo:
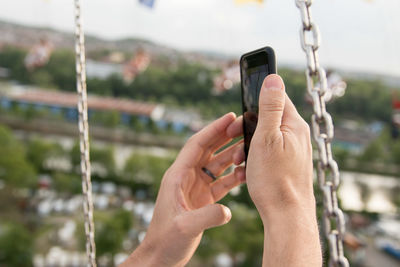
[123,219]
[190,85]
[39,151]
[373,152]
[341,156]
[109,119]
[295,86]
[42,78]
[111,229]
[15,169]
[104,156]
[16,245]
[68,183]
[58,72]
[183,83]
[147,169]
[61,69]
[151,125]
[13,59]
[367,100]
[395,196]
[109,237]
[243,235]
[137,125]
[395,152]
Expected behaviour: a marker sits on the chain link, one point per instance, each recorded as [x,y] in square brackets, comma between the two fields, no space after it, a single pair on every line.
[84,135]
[322,132]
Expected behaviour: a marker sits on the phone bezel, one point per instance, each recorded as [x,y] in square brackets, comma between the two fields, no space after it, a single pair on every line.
[271,61]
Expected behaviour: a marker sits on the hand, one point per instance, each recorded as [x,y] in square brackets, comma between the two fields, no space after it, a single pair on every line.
[185,205]
[279,165]
[279,178]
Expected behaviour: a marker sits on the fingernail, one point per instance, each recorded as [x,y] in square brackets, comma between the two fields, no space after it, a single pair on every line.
[227,213]
[273,82]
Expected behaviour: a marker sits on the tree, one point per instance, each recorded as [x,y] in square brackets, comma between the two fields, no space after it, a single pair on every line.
[106,118]
[136,124]
[38,152]
[68,183]
[16,245]
[373,152]
[102,156]
[149,169]
[15,169]
[245,246]
[395,151]
[111,229]
[341,156]
[61,68]
[13,59]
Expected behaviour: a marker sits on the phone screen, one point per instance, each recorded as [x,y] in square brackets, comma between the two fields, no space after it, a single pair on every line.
[254,68]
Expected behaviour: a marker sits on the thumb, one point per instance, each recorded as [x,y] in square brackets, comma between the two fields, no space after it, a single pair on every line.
[271,103]
[196,221]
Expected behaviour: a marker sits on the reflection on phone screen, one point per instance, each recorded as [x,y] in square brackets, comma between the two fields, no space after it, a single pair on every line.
[254,70]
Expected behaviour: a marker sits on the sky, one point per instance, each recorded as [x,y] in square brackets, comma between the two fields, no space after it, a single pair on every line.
[357,35]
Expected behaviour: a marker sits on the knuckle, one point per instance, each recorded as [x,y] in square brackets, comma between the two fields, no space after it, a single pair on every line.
[180,226]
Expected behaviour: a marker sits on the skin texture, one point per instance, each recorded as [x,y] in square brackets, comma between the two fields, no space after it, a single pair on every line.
[185,205]
[279,179]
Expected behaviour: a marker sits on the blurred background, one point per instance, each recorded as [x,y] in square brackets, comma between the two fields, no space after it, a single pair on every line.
[158,71]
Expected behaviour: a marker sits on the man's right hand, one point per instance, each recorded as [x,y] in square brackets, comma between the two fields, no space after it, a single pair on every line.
[279,178]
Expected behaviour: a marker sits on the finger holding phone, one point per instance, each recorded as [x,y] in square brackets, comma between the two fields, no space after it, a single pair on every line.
[279,165]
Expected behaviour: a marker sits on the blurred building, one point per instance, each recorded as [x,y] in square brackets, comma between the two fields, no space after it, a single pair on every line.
[64,104]
[136,65]
[230,75]
[39,55]
[354,137]
[102,70]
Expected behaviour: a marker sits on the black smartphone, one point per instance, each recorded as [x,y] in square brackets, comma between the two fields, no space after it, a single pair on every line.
[254,67]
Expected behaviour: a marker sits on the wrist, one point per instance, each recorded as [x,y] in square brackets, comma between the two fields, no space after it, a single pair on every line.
[144,255]
[292,234]
[282,211]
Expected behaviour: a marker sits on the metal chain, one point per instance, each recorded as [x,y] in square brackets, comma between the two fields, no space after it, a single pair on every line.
[84,135]
[322,132]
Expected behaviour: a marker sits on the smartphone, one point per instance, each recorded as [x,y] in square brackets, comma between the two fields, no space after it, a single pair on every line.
[254,67]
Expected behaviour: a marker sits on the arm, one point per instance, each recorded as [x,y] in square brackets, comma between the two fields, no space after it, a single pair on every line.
[279,177]
[186,203]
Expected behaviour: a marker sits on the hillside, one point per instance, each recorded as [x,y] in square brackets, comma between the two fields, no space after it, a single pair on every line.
[26,36]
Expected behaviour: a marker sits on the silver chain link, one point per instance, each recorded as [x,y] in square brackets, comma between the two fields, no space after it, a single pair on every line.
[84,135]
[322,132]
